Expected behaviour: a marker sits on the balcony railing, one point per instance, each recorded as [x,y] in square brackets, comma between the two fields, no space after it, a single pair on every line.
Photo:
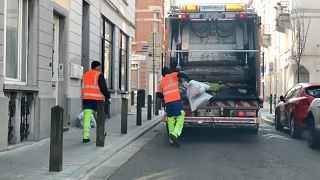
[266,35]
[283,15]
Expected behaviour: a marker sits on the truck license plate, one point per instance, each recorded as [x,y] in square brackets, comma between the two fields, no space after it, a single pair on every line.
[206,8]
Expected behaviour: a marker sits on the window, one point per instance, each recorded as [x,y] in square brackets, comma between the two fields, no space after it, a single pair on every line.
[293,92]
[297,90]
[313,91]
[16,40]
[156,15]
[107,42]
[123,62]
[290,93]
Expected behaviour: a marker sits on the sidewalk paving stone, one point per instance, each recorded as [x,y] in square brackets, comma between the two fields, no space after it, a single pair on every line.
[32,161]
[265,114]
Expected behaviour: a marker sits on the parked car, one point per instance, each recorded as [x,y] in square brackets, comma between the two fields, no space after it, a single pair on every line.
[293,107]
[313,122]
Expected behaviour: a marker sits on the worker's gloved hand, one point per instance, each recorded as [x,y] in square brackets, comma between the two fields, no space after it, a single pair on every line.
[159,95]
[215,87]
[107,101]
[184,76]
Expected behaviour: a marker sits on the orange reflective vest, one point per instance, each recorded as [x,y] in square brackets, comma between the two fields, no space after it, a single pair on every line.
[169,87]
[90,86]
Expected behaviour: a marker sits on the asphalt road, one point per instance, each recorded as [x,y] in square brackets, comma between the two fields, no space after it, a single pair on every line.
[224,155]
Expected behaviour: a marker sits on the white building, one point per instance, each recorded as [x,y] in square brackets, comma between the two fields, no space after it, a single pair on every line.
[45,46]
[278,42]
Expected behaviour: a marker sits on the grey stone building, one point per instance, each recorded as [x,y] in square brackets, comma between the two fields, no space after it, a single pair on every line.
[45,47]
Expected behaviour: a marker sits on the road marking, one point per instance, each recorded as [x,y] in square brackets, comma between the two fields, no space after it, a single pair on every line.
[270,136]
[167,174]
[265,129]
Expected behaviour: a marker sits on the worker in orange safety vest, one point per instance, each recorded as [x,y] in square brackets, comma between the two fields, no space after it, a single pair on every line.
[169,90]
[94,89]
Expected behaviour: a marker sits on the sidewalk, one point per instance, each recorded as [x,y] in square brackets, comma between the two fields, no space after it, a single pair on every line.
[265,114]
[32,162]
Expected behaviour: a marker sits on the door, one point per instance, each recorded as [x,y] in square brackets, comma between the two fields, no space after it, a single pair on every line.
[289,102]
[55,58]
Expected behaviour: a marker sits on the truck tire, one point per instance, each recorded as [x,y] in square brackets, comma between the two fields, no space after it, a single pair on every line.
[277,124]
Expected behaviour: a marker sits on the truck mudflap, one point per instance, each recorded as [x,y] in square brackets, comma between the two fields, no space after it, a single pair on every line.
[222,122]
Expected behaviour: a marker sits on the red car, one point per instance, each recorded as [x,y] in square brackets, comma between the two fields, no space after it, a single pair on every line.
[293,108]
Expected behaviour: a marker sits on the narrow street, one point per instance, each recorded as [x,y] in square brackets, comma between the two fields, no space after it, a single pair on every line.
[224,155]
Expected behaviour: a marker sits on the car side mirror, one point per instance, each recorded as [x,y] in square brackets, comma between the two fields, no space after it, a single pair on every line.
[282,99]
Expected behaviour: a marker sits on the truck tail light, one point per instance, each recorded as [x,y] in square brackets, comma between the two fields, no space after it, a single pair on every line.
[240,113]
[242,16]
[183,16]
[244,114]
[187,113]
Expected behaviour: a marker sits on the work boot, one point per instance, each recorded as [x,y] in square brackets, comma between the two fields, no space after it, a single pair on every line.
[86,140]
[175,140]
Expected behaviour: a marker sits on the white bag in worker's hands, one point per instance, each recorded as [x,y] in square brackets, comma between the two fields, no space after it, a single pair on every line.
[79,122]
[197,95]
[196,88]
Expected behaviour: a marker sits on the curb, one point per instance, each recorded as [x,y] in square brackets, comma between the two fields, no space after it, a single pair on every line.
[269,120]
[91,167]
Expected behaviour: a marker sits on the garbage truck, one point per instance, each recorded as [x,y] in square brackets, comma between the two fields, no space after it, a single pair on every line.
[218,44]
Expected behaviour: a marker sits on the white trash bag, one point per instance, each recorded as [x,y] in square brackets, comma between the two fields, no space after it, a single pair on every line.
[197,95]
[80,120]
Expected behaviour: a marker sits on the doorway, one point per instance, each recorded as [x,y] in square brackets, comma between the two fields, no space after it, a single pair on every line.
[55,58]
[85,36]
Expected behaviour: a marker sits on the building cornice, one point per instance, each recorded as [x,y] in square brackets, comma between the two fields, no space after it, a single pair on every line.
[117,10]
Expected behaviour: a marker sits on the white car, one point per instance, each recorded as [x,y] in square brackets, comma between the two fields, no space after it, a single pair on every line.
[313,123]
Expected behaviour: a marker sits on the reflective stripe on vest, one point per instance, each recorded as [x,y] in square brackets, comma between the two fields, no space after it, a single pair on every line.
[91,94]
[170,92]
[91,90]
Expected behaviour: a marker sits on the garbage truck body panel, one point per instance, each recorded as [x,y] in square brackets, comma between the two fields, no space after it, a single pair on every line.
[218,43]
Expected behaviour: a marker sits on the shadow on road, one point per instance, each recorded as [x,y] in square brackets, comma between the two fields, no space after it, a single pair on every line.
[218,135]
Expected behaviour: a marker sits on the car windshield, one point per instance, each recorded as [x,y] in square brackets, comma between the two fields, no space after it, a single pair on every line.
[313,91]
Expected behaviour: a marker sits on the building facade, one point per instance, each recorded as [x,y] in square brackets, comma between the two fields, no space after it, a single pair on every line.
[45,47]
[148,44]
[279,21]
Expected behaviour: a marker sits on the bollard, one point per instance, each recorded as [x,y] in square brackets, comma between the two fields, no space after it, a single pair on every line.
[143,98]
[107,109]
[56,139]
[157,106]
[270,101]
[100,124]
[132,98]
[124,116]
[139,109]
[149,107]
[275,101]
[142,93]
